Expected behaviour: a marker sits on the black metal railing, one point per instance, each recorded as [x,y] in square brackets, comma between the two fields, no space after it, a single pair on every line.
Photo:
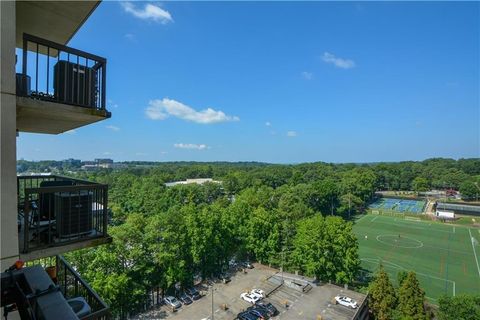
[72,285]
[55,72]
[56,210]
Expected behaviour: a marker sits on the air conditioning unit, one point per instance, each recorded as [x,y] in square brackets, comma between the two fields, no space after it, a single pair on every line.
[73,212]
[23,84]
[75,84]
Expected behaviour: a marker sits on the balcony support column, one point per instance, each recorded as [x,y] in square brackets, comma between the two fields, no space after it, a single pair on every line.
[8,131]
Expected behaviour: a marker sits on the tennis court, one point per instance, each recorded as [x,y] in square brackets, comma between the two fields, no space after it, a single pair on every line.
[445,257]
[398,205]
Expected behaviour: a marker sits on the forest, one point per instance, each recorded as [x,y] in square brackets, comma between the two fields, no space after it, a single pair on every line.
[293,216]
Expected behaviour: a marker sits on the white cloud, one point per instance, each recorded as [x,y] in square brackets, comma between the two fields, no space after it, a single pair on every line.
[162,109]
[73,131]
[307,75]
[191,146]
[292,134]
[107,153]
[268,124]
[130,36]
[113,128]
[338,62]
[149,12]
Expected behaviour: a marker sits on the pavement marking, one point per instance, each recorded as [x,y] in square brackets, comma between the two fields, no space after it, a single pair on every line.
[474,252]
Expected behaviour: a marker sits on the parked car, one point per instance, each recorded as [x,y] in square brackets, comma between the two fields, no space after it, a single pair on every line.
[172,302]
[261,313]
[246,316]
[249,298]
[225,278]
[232,263]
[185,298]
[270,308]
[258,292]
[192,293]
[346,301]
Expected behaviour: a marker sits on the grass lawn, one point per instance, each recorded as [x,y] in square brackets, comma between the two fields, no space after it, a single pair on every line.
[443,256]
[465,220]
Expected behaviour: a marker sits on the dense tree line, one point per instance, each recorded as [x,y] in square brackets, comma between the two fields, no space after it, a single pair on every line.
[437,173]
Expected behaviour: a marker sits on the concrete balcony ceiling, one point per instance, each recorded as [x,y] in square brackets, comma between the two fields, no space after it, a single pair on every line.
[56,21]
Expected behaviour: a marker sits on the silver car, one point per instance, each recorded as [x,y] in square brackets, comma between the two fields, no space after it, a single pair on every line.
[172,302]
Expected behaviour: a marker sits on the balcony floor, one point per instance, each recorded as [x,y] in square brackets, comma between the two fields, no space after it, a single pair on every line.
[39,247]
[39,116]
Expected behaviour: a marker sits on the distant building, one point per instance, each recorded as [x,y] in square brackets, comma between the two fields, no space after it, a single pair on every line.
[104,161]
[444,214]
[98,164]
[192,181]
[457,208]
[73,162]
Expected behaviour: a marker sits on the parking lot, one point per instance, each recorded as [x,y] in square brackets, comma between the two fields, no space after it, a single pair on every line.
[291,303]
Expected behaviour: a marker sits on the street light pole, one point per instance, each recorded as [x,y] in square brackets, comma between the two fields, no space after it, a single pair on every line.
[213,290]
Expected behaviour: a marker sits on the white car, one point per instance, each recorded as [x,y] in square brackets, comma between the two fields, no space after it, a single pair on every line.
[346,301]
[249,297]
[258,293]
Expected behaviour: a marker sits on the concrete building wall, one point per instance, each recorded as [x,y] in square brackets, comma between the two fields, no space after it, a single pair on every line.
[8,176]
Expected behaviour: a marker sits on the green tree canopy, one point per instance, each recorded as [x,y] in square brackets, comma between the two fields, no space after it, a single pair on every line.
[420,184]
[460,307]
[470,189]
[411,298]
[382,297]
[326,248]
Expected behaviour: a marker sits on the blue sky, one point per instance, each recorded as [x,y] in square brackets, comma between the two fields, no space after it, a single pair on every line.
[280,82]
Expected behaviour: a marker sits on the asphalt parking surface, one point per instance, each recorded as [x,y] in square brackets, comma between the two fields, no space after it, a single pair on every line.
[291,304]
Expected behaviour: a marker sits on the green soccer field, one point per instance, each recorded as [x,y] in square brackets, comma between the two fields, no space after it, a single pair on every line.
[444,257]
